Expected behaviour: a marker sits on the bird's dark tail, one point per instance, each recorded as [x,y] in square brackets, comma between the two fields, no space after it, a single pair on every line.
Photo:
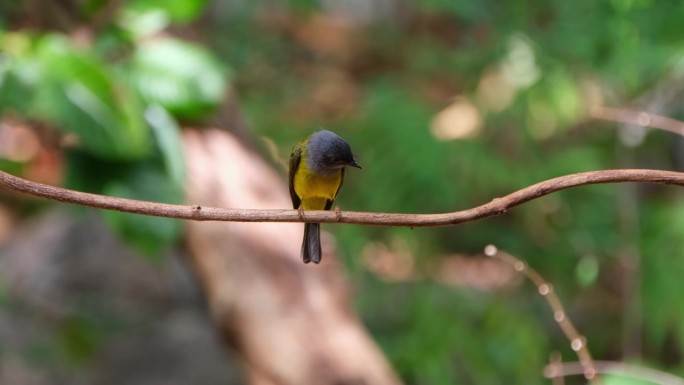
[311,246]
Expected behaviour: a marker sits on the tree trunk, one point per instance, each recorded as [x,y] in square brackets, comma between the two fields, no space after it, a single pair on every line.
[291,323]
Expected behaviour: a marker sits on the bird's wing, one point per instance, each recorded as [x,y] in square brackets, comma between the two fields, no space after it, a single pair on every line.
[330,202]
[295,158]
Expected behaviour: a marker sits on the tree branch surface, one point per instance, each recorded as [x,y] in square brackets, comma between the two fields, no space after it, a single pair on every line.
[497,206]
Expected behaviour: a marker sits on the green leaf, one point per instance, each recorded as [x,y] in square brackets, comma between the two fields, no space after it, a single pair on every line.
[180,11]
[167,135]
[587,270]
[20,73]
[611,379]
[81,96]
[11,166]
[143,24]
[183,78]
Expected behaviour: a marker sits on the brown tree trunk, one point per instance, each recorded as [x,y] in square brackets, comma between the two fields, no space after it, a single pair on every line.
[291,323]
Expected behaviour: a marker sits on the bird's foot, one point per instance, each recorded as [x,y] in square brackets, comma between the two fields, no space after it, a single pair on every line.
[338,213]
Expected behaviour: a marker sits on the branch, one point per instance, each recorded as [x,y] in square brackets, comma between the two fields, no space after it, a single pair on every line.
[639,118]
[578,342]
[495,207]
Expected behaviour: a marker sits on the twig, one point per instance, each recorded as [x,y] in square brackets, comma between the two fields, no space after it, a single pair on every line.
[555,358]
[607,367]
[577,342]
[194,212]
[639,118]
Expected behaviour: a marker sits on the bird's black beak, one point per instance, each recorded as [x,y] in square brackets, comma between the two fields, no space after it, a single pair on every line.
[354,164]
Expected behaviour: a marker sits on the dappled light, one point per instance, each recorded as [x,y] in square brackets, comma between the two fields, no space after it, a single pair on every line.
[459,120]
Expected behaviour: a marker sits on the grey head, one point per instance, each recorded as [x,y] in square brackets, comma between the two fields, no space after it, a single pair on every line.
[328,152]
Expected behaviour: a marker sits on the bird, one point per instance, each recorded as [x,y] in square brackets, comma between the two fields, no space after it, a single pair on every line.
[316,173]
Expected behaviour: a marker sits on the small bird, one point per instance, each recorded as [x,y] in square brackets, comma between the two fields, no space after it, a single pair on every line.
[316,174]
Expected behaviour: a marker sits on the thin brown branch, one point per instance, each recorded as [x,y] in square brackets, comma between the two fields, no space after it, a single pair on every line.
[617,368]
[555,358]
[495,207]
[639,118]
[577,342]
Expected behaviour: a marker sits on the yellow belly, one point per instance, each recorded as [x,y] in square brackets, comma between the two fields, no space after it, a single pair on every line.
[315,191]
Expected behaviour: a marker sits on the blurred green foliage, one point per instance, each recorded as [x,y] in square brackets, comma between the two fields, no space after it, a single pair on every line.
[379,75]
[392,73]
[121,96]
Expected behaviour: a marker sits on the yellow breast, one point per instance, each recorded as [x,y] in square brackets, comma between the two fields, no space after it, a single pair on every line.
[315,190]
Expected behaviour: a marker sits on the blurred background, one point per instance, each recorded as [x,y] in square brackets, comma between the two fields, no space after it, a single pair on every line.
[447,104]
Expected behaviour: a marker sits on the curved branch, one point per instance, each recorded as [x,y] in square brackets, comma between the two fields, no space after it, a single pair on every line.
[497,206]
[578,342]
